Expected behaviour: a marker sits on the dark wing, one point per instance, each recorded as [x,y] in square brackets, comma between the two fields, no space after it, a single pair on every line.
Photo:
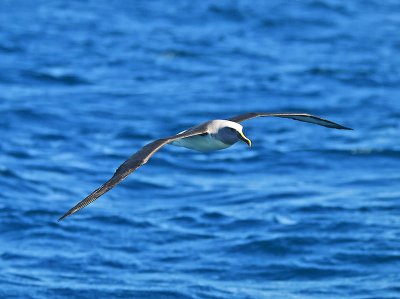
[135,161]
[296,116]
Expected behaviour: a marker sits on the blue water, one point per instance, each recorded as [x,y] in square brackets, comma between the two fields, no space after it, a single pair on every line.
[307,212]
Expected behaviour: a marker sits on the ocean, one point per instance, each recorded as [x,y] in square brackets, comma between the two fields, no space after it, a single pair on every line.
[306,212]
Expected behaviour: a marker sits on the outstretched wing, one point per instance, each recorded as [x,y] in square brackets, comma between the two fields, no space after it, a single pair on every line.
[134,162]
[296,116]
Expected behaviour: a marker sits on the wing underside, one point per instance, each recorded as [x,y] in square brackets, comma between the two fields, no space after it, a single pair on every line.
[130,165]
[304,117]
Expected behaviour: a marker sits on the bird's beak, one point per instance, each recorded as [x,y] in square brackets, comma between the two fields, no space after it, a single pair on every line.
[244,138]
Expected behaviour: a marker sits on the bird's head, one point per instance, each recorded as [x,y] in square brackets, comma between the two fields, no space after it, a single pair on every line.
[230,132]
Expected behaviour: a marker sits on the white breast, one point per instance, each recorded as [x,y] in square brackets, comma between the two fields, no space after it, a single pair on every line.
[202,143]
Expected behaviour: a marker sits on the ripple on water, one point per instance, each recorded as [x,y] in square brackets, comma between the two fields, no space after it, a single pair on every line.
[56,76]
[306,212]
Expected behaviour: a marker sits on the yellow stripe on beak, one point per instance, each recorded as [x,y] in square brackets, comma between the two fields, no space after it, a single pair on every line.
[244,138]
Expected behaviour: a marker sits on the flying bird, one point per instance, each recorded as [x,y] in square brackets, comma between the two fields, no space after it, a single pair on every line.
[210,136]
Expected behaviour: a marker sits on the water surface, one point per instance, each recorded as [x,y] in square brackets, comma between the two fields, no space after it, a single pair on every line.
[307,212]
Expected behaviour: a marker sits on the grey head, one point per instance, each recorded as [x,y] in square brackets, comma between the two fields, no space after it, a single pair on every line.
[228,132]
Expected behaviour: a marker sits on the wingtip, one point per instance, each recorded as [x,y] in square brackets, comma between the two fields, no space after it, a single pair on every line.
[346,128]
[63,217]
[340,127]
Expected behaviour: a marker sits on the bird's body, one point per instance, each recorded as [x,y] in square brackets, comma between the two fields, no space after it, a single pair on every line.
[202,143]
[218,137]
[209,136]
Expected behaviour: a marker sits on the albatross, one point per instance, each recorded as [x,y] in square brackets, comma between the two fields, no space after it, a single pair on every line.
[210,136]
